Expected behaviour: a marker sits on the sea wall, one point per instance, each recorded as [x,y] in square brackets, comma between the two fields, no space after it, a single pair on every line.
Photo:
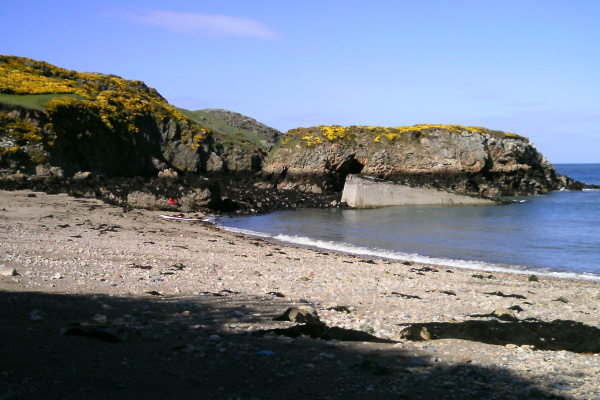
[367,192]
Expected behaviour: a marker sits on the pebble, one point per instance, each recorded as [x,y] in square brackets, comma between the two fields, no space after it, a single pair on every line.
[36,315]
[100,318]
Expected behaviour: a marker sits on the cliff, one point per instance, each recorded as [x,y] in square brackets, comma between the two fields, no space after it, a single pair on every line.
[469,160]
[59,122]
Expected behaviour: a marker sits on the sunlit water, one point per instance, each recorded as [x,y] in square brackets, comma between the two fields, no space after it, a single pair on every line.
[558,233]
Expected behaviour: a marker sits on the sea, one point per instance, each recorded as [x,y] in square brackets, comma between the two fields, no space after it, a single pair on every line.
[556,234]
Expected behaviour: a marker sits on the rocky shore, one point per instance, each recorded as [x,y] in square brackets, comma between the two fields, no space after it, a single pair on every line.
[213,193]
[103,301]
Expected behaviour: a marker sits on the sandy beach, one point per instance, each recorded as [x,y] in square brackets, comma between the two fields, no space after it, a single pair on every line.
[99,302]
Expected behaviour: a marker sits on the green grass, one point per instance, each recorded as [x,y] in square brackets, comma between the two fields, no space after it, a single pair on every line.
[34,101]
[223,132]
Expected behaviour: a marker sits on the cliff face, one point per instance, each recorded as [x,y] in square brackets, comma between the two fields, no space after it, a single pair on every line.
[60,122]
[468,160]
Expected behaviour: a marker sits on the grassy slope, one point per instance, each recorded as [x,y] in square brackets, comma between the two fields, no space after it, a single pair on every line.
[33,101]
[228,135]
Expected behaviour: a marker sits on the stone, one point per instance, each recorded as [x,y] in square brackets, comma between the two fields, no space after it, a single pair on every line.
[504,314]
[168,174]
[36,315]
[303,315]
[82,175]
[7,271]
[100,318]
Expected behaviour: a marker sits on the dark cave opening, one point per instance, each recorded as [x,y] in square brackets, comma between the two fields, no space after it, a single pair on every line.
[349,166]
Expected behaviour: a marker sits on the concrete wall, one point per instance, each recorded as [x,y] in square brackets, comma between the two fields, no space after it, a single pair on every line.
[365,192]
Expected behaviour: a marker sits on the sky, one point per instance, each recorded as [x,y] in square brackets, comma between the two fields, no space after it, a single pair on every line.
[526,66]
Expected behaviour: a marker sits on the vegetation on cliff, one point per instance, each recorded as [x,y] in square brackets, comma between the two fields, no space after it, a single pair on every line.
[334,133]
[228,136]
[17,134]
[241,123]
[116,101]
[70,112]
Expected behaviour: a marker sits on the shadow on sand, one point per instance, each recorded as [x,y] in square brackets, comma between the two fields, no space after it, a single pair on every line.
[59,346]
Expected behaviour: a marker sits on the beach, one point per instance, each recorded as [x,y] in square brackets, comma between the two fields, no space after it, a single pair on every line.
[102,302]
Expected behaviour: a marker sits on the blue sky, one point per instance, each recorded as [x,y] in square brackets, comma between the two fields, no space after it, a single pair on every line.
[529,67]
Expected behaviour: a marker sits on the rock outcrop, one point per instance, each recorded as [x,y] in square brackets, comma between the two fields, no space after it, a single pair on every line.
[266,134]
[466,160]
[54,119]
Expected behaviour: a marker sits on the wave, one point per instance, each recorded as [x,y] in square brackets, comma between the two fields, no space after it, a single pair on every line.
[342,247]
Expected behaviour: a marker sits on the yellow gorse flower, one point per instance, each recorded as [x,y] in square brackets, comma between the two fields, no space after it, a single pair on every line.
[335,133]
[117,101]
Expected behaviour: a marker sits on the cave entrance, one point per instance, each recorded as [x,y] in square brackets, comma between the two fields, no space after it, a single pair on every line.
[349,166]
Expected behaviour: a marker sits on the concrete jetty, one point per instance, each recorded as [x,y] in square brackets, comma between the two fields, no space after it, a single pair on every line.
[362,191]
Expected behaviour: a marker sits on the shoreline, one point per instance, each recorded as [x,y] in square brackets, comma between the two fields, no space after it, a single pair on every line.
[349,249]
[174,285]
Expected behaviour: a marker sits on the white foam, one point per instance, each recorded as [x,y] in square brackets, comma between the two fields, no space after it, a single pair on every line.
[246,232]
[400,256]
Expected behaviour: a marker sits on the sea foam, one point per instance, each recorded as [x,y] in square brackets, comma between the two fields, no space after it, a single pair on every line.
[303,241]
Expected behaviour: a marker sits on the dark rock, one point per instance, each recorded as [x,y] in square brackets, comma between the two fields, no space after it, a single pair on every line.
[449,292]
[516,296]
[343,309]
[301,315]
[325,333]
[406,296]
[96,334]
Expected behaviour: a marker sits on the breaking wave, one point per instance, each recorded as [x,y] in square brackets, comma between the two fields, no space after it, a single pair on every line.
[303,241]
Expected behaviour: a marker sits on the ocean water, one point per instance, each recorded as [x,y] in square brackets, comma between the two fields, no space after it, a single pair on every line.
[555,234]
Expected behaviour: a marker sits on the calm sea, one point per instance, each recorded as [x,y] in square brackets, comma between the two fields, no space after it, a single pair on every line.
[555,234]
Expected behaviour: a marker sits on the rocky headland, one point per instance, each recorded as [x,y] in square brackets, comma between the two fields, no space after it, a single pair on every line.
[98,135]
[467,160]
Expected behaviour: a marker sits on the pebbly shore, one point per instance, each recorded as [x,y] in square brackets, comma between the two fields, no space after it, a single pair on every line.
[99,301]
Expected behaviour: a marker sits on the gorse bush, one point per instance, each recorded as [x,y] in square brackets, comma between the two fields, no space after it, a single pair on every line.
[18,140]
[119,103]
[338,134]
